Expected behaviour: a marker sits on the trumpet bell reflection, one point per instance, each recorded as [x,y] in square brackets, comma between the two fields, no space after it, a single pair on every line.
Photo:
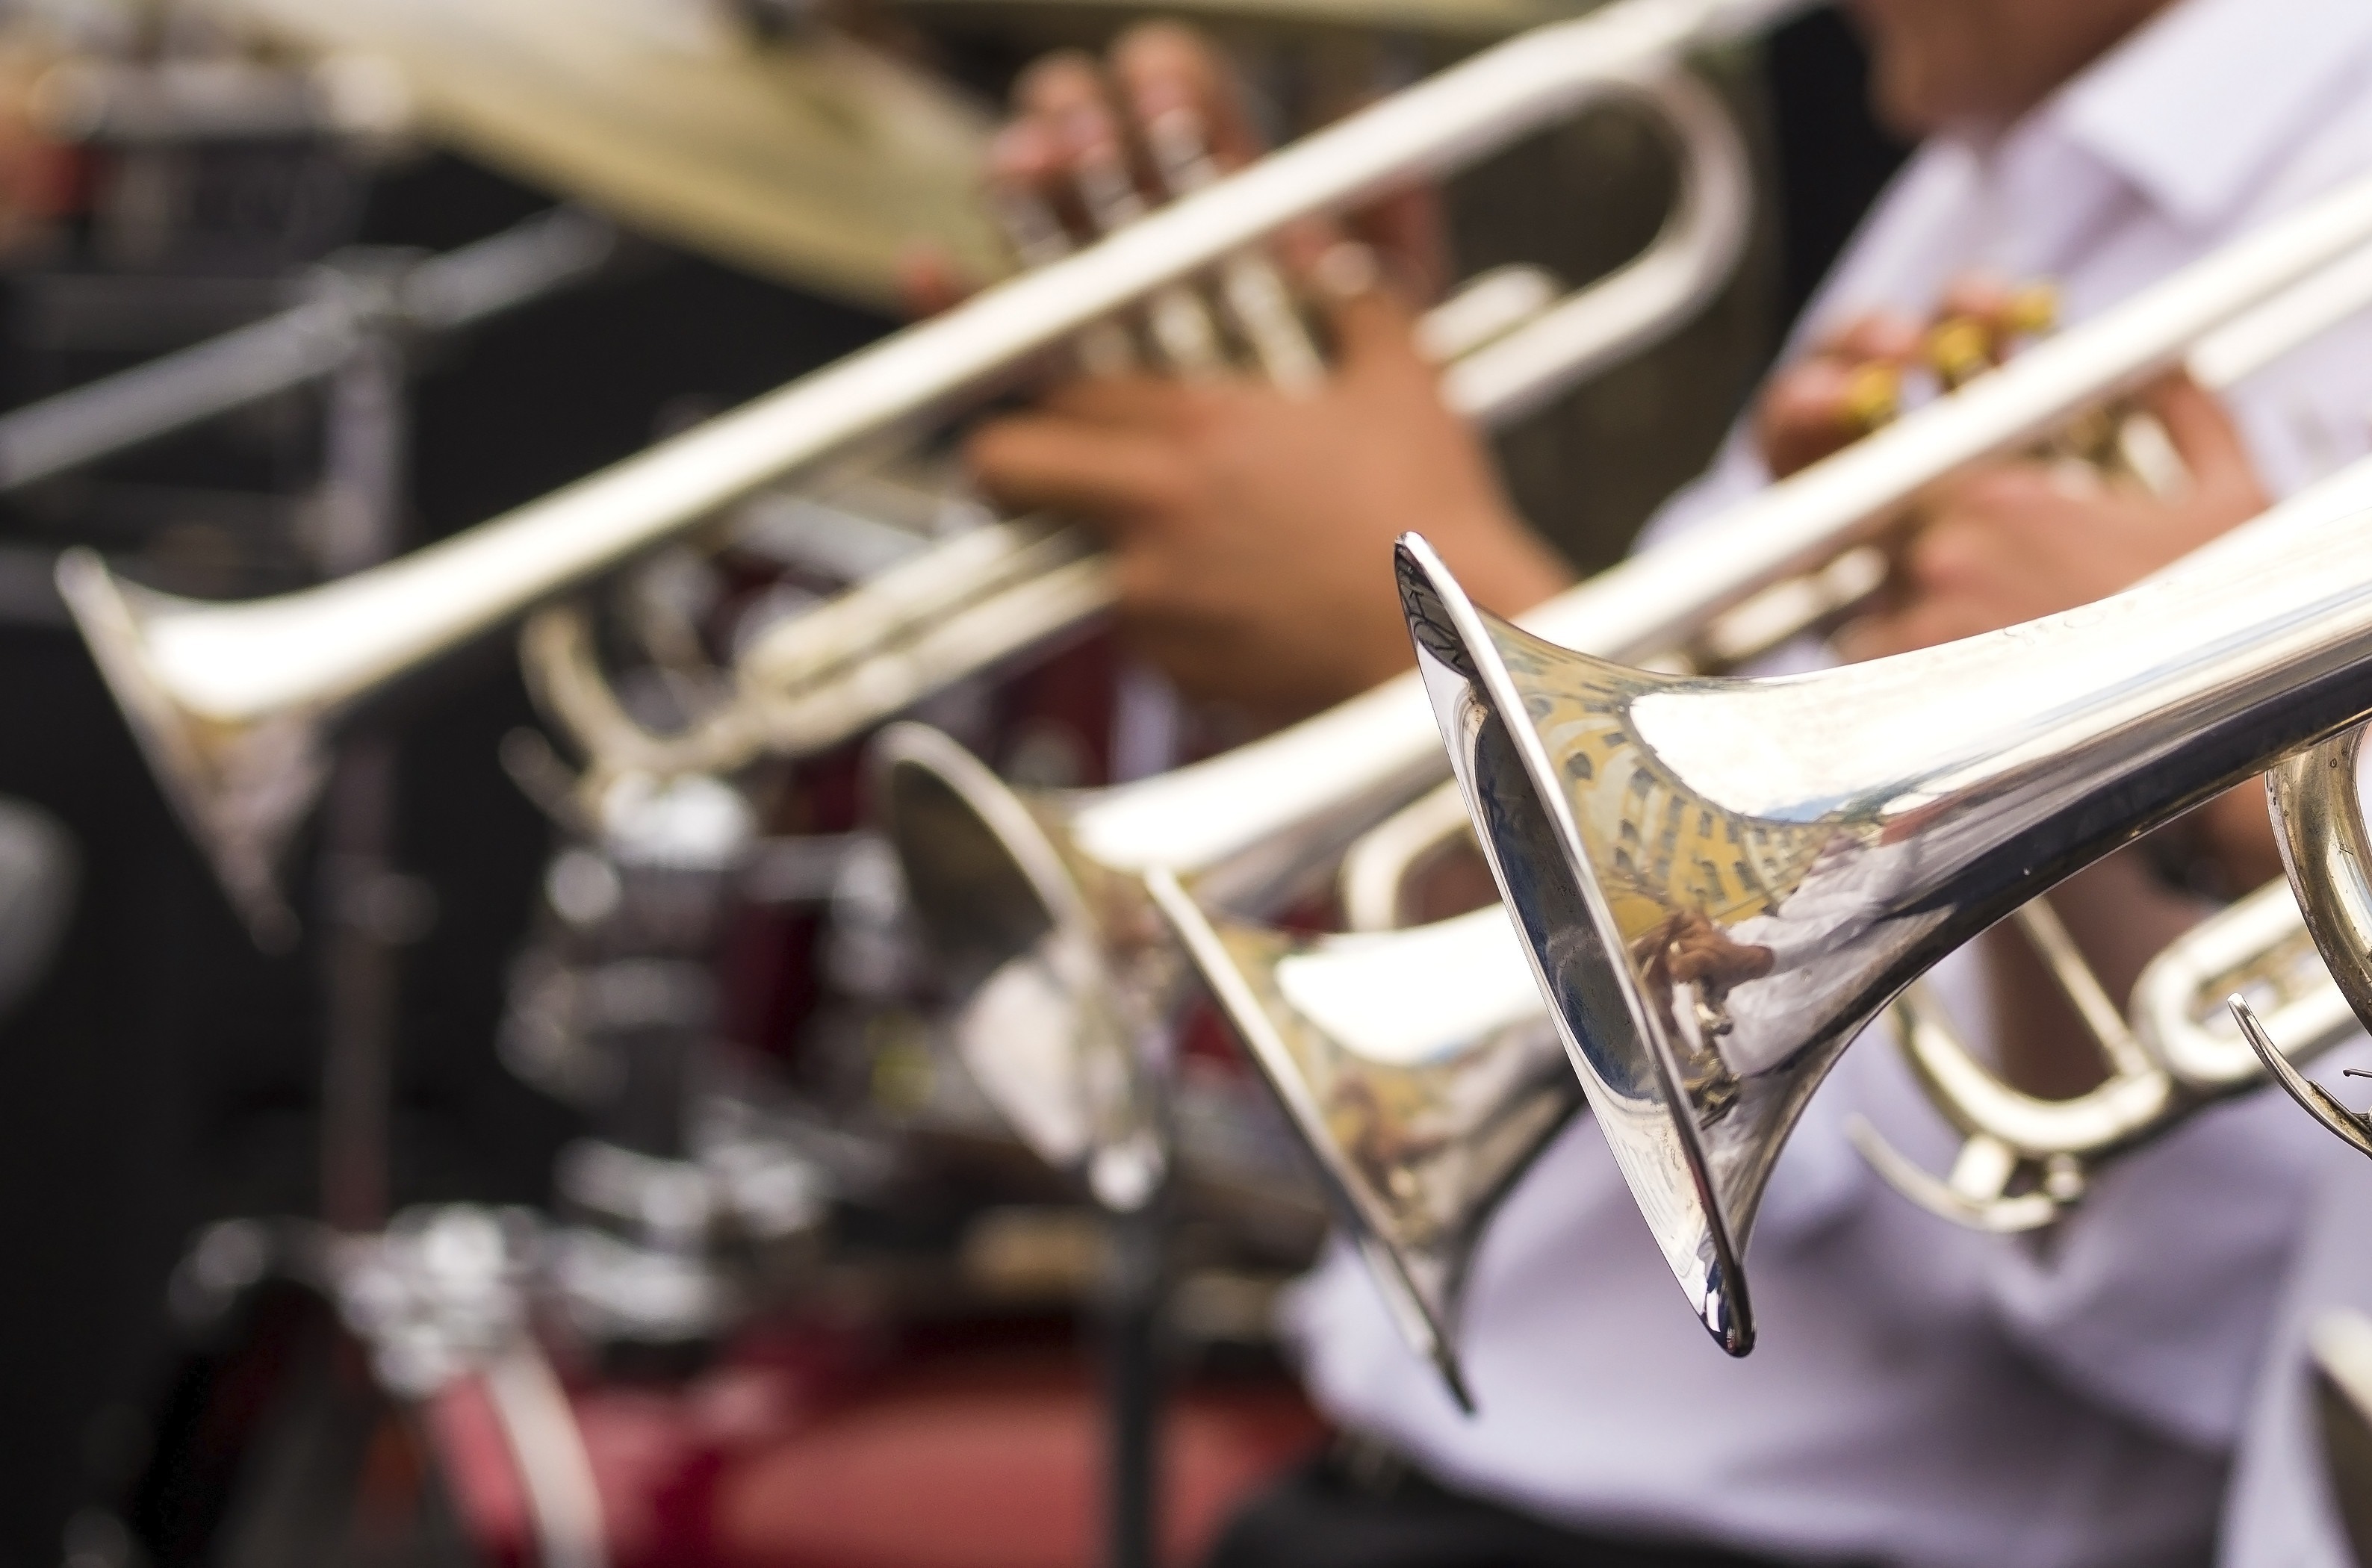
[1421,1108]
[1720,883]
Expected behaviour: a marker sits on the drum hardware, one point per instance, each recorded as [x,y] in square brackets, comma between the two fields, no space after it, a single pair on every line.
[234,699]
[444,1306]
[689,1208]
[1047,898]
[1719,884]
[305,343]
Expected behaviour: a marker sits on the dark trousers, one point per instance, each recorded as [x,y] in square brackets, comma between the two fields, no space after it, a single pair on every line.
[1355,1507]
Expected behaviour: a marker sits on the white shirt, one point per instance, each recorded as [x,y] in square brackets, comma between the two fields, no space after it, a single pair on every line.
[1921,1395]
[2280,1512]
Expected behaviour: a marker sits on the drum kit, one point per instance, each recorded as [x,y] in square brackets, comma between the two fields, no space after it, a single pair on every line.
[773,648]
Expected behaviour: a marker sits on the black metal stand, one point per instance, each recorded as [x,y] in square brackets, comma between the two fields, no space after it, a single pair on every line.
[1134,1381]
[364,918]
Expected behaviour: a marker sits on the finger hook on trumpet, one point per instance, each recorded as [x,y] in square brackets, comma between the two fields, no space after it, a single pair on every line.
[2354,1128]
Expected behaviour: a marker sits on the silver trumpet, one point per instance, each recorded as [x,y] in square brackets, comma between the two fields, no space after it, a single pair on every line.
[1072,916]
[1720,883]
[1508,344]
[233,702]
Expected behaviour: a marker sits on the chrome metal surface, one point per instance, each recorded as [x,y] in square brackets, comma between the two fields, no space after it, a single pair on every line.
[230,700]
[305,343]
[1046,897]
[1510,345]
[1720,883]
[2026,1161]
[1422,1104]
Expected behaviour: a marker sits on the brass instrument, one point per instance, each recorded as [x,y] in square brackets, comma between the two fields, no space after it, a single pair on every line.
[232,702]
[1720,883]
[1508,344]
[1068,911]
[2024,1161]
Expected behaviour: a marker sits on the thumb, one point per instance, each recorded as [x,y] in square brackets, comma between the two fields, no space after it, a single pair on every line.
[2204,437]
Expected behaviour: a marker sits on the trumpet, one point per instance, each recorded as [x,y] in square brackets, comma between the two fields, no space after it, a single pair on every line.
[1073,917]
[233,703]
[1719,884]
[1506,343]
[2023,1161]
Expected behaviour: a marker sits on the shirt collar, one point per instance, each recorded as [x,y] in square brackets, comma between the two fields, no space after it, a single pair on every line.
[2200,101]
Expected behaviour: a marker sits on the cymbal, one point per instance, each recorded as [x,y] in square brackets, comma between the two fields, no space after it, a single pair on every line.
[817,161]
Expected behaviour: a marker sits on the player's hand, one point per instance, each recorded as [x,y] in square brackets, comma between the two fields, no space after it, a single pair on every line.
[1085,130]
[1852,380]
[1252,529]
[2019,541]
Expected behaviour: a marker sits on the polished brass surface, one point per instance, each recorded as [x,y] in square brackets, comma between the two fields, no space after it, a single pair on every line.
[235,703]
[1719,884]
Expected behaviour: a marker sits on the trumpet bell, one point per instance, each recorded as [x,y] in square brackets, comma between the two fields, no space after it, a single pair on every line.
[1421,1108]
[239,786]
[1720,883]
[1021,928]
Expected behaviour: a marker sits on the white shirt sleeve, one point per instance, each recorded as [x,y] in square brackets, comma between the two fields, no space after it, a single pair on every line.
[2278,1513]
[2156,1296]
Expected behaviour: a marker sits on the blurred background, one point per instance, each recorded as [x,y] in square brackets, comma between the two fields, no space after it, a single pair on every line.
[906,1367]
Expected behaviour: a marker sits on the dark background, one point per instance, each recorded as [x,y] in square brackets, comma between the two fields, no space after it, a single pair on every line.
[165,1073]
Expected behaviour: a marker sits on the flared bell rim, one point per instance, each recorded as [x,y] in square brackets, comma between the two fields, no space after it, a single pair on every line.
[1459,657]
[1121,1156]
[1427,1324]
[185,758]
[1004,816]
